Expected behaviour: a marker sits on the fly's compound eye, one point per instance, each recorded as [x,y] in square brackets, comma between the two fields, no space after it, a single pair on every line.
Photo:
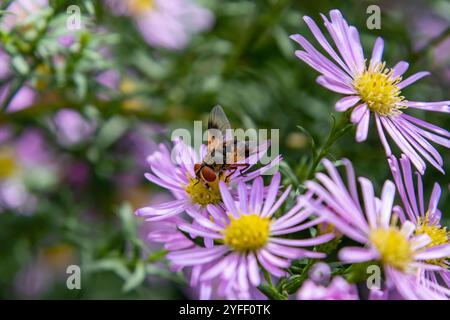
[197,167]
[208,174]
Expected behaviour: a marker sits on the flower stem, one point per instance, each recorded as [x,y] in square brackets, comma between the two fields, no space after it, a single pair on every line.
[337,131]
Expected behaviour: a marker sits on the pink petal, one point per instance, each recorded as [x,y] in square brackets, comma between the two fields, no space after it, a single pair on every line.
[356,254]
[412,79]
[346,103]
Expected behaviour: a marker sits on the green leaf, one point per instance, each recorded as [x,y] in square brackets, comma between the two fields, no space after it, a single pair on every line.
[136,278]
[310,138]
[156,256]
[128,219]
[271,292]
[115,265]
[112,130]
[154,270]
[20,65]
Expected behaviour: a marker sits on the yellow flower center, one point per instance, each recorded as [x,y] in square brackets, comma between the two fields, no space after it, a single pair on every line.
[438,235]
[393,247]
[43,74]
[139,6]
[134,102]
[379,90]
[247,233]
[203,194]
[7,163]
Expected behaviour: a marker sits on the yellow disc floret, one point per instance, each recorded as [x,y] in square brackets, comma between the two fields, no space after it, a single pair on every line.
[247,233]
[7,162]
[438,235]
[378,88]
[393,247]
[137,7]
[203,194]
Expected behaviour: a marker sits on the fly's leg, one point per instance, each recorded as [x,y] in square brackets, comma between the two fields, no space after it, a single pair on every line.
[244,168]
[230,174]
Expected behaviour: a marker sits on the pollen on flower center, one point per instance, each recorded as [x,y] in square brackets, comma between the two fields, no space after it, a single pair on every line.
[378,88]
[438,234]
[247,233]
[202,194]
[393,247]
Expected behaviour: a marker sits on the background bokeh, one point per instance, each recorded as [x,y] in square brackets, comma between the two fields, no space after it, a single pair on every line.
[81,110]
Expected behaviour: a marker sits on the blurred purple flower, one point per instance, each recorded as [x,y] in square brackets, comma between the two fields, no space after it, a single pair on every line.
[4,64]
[20,10]
[71,128]
[167,24]
[320,273]
[67,40]
[19,157]
[337,289]
[48,267]
[32,149]
[77,174]
[427,221]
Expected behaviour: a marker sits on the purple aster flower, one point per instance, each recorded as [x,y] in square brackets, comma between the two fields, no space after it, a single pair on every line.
[248,236]
[373,88]
[20,10]
[324,289]
[427,221]
[320,273]
[401,252]
[191,196]
[165,24]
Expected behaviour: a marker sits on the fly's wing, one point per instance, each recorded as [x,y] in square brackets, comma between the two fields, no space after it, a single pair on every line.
[240,151]
[218,125]
[218,119]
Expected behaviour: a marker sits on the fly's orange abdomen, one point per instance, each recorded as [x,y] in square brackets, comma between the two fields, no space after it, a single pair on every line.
[208,174]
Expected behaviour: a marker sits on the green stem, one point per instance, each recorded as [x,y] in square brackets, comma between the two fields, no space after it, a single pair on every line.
[337,131]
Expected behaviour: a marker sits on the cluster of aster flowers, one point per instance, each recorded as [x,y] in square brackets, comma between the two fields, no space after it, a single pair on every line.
[373,88]
[232,234]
